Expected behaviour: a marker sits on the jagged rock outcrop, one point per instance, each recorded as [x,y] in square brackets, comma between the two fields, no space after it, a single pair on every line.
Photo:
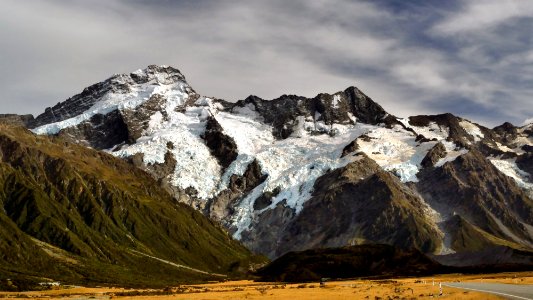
[473,188]
[434,155]
[222,207]
[525,163]
[221,146]
[99,132]
[348,107]
[507,131]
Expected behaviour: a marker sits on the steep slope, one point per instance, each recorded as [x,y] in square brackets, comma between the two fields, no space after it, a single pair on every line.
[473,188]
[84,211]
[368,205]
[265,168]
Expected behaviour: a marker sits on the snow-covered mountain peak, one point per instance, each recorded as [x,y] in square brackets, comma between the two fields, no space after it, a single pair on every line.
[121,91]
[259,159]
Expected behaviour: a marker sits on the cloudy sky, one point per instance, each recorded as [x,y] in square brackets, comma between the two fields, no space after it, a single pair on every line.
[472,58]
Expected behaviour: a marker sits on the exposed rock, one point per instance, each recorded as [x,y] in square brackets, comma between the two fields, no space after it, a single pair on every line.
[267,230]
[507,131]
[137,120]
[527,148]
[525,163]
[221,207]
[434,155]
[470,186]
[265,199]
[350,148]
[457,133]
[222,147]
[353,146]
[421,139]
[342,108]
[99,132]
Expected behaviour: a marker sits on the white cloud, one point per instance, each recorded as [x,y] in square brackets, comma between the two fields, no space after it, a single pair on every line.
[481,15]
[527,121]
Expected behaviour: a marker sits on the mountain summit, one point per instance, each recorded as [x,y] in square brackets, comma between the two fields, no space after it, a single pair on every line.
[295,173]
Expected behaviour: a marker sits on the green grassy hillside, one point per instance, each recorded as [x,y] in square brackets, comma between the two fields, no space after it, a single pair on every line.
[78,215]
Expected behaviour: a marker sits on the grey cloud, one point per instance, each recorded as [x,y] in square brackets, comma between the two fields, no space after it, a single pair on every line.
[402,55]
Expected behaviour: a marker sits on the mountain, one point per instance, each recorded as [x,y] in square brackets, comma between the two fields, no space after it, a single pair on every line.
[78,215]
[295,173]
[349,262]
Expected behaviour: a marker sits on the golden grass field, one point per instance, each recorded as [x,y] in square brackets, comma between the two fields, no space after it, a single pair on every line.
[408,288]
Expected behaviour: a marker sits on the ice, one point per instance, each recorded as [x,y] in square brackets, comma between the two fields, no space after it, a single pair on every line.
[292,164]
[396,150]
[248,110]
[336,100]
[452,152]
[472,129]
[511,169]
[432,131]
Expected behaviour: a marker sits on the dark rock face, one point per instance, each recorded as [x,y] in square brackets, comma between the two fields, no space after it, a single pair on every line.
[474,189]
[137,120]
[525,163]
[368,205]
[281,113]
[527,148]
[99,132]
[16,120]
[267,229]
[507,131]
[265,199]
[221,146]
[221,207]
[456,131]
[434,155]
[350,148]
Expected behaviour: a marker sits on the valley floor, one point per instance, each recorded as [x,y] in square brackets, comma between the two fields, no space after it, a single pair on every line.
[407,288]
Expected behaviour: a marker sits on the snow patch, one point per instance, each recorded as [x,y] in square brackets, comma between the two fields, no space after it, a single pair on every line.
[336,101]
[452,152]
[195,166]
[397,151]
[509,168]
[432,131]
[472,129]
